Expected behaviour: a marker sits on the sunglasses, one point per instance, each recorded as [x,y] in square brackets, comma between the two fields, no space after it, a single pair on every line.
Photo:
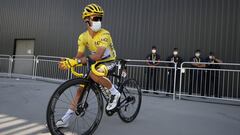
[96,19]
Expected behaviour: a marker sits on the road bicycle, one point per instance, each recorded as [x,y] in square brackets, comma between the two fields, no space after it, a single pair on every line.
[90,105]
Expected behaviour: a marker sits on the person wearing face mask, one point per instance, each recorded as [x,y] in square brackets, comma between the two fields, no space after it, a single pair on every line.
[197,75]
[212,76]
[175,57]
[152,61]
[99,43]
[212,59]
[197,58]
[178,60]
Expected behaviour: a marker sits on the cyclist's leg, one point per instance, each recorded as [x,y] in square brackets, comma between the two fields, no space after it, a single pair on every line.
[64,121]
[75,99]
[104,81]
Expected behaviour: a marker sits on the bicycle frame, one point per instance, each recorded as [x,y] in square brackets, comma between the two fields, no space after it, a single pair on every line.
[87,88]
[91,82]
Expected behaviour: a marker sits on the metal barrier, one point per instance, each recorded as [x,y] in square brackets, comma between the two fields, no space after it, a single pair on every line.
[5,65]
[155,79]
[47,68]
[216,81]
[23,65]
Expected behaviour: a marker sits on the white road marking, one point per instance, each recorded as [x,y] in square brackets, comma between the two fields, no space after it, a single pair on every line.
[15,126]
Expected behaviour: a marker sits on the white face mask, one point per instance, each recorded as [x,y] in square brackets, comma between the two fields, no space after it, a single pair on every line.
[175,53]
[197,54]
[153,51]
[96,26]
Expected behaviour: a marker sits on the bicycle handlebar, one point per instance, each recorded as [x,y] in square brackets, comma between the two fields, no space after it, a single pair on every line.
[74,72]
[93,69]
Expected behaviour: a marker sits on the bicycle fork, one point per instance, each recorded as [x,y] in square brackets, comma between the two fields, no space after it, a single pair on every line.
[82,104]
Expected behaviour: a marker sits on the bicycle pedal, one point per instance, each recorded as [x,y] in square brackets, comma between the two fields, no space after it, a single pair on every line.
[109,112]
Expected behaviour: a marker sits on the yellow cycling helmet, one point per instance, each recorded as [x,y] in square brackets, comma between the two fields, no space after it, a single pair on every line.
[92,9]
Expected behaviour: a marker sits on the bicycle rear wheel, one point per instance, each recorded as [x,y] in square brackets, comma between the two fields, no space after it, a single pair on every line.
[88,111]
[130,101]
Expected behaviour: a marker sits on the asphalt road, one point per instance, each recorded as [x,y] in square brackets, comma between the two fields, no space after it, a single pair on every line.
[23,106]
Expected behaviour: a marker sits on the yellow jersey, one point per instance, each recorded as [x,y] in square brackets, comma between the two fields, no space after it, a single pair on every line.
[101,39]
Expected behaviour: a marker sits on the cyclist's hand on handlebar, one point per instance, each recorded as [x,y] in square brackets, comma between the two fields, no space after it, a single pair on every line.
[84,60]
[67,63]
[62,65]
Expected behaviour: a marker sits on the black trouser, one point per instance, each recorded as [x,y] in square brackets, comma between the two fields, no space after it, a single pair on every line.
[197,82]
[212,83]
[151,78]
[170,86]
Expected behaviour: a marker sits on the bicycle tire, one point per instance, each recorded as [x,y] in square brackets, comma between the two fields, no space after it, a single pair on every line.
[124,91]
[59,91]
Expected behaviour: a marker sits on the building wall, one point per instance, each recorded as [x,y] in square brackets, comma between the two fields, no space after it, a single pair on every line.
[135,25]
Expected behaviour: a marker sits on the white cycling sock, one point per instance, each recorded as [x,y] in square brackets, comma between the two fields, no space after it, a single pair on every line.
[113,90]
[67,115]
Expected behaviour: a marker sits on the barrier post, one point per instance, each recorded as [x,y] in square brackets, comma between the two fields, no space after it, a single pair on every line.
[180,82]
[175,79]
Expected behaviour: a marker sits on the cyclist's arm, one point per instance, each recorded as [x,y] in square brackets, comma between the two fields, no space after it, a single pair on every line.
[79,55]
[94,57]
[99,54]
[81,47]
[103,43]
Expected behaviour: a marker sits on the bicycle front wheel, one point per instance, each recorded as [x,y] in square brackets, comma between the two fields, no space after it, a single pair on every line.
[88,109]
[130,101]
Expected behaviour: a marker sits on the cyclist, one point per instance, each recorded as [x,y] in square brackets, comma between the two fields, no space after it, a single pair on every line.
[99,43]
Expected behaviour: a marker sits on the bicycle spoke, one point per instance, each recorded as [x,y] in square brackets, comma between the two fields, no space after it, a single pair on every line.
[91,109]
[66,97]
[74,125]
[71,94]
[92,113]
[130,99]
[78,127]
[91,97]
[59,114]
[86,122]
[62,108]
[128,91]
[87,116]
[63,101]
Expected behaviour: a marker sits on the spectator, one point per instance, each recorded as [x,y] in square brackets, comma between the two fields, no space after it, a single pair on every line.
[212,76]
[196,76]
[152,60]
[178,60]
